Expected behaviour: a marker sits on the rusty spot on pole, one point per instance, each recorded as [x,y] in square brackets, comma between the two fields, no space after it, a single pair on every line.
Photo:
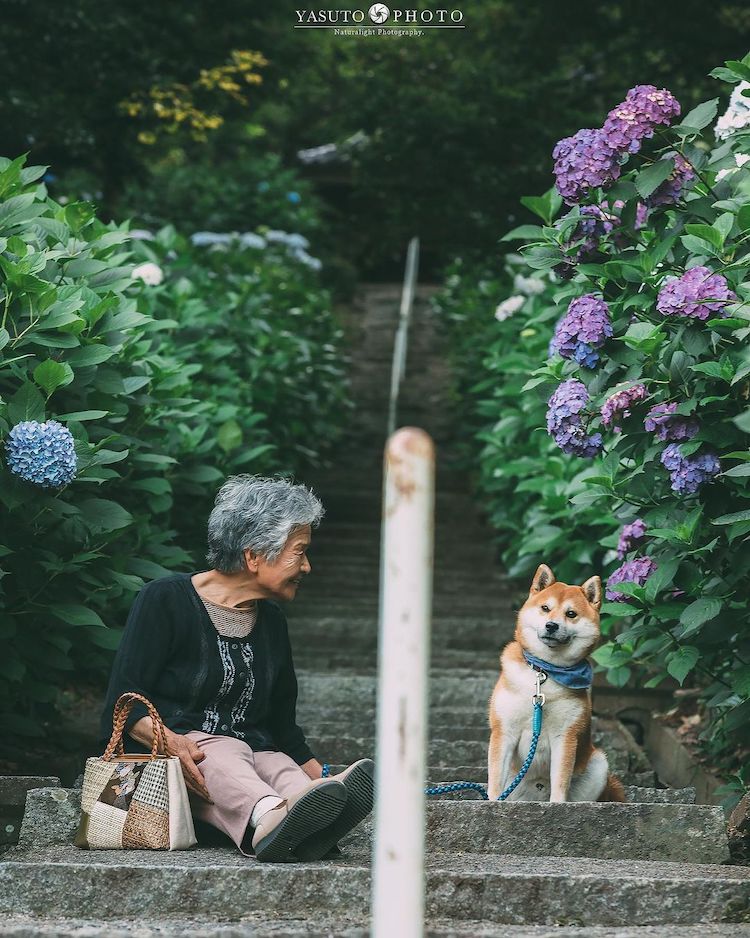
[403,447]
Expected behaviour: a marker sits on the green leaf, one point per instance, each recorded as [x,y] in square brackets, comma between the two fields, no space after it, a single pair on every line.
[743,470]
[26,404]
[698,612]
[82,415]
[524,233]
[700,117]
[106,638]
[90,355]
[681,662]
[712,369]
[740,680]
[619,609]
[724,224]
[75,614]
[653,176]
[102,516]
[545,206]
[706,233]
[662,577]
[229,436]
[738,68]
[52,374]
[733,517]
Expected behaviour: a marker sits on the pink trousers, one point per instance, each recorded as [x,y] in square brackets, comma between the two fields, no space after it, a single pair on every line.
[237,777]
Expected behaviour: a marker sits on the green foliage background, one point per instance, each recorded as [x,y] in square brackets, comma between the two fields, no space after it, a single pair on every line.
[231,364]
[689,621]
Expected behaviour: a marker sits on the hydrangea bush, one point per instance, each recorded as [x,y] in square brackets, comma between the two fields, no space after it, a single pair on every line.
[644,394]
[137,370]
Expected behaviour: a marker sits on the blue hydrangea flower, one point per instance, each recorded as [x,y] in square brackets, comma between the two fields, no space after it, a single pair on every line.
[294,197]
[564,421]
[42,453]
[688,473]
[583,329]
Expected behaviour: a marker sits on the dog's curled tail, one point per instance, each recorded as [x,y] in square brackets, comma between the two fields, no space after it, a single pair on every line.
[613,790]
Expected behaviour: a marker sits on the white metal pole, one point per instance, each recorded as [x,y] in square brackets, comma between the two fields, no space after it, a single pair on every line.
[403,668]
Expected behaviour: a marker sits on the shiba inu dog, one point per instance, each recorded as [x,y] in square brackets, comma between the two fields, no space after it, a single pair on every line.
[556,629]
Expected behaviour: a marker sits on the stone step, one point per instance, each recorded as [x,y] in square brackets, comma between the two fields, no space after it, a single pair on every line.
[685,833]
[254,925]
[13,791]
[365,661]
[675,831]
[636,794]
[445,730]
[625,758]
[638,831]
[538,890]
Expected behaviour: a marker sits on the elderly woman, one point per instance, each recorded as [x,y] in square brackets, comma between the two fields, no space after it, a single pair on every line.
[211,650]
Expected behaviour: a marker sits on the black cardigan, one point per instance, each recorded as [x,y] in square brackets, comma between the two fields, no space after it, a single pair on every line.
[169,653]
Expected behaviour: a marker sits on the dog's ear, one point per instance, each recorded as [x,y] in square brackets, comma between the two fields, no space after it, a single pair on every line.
[543,578]
[592,590]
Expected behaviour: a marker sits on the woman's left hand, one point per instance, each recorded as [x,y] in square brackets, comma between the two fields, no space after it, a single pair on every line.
[313,768]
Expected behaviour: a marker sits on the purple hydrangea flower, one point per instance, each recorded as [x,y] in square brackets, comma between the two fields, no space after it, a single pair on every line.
[584,328]
[42,453]
[645,107]
[618,405]
[583,162]
[631,536]
[667,425]
[598,221]
[564,422]
[697,294]
[688,473]
[632,571]
[669,191]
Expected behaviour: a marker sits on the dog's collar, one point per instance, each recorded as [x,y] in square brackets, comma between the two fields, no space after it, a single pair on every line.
[578,676]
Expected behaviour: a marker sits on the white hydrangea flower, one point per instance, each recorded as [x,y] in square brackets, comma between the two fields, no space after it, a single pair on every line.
[740,159]
[203,238]
[530,286]
[251,240]
[737,115]
[151,274]
[506,309]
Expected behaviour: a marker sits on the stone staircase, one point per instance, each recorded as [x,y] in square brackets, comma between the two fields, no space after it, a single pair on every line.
[657,866]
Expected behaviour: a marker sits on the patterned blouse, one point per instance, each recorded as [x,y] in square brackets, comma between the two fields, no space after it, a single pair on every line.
[233,630]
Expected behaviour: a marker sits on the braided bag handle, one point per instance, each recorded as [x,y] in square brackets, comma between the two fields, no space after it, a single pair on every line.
[124,705]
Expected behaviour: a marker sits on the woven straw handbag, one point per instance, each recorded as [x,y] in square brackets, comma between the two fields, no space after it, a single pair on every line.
[134,802]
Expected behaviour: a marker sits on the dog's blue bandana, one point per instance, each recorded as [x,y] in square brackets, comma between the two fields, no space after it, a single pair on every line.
[578,676]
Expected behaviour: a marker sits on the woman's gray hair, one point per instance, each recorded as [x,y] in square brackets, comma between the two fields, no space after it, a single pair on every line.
[257,513]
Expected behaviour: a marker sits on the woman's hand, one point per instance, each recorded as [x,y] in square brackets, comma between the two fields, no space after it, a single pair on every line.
[313,768]
[182,747]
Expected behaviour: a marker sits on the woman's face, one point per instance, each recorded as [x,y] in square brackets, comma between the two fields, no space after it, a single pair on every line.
[280,579]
